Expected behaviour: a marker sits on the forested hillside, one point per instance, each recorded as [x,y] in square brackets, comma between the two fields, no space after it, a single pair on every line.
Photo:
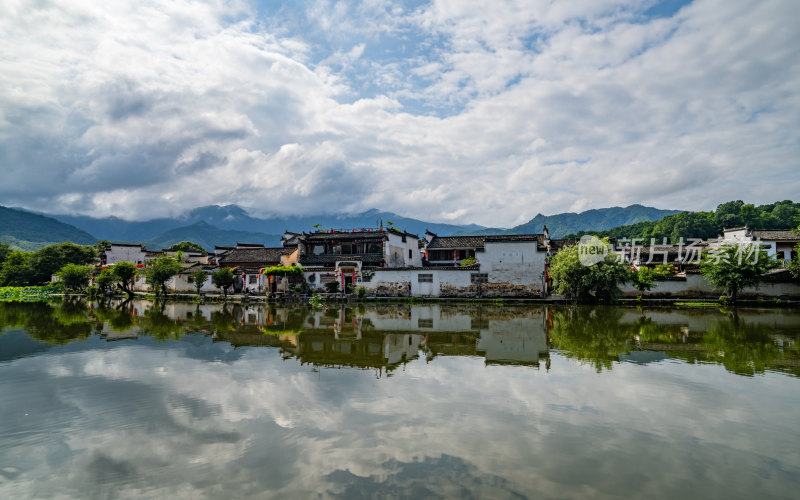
[778,215]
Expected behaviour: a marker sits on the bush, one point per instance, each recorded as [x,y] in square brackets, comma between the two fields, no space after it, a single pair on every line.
[223,279]
[468,261]
[75,277]
[587,283]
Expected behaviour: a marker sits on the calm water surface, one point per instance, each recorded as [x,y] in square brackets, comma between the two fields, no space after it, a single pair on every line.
[471,401]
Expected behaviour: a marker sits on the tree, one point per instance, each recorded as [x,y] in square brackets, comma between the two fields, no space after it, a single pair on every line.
[75,277]
[587,283]
[794,264]
[160,271]
[101,245]
[16,270]
[734,267]
[644,278]
[105,280]
[46,261]
[223,279]
[5,250]
[125,273]
[187,246]
[199,278]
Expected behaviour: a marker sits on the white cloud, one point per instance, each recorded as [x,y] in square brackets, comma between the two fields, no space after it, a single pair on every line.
[142,109]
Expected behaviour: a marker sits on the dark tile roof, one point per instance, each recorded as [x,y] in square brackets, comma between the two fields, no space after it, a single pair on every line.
[515,237]
[556,245]
[502,238]
[260,255]
[197,266]
[775,235]
[359,235]
[456,242]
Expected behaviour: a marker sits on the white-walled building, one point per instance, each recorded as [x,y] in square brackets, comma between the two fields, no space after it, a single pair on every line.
[123,252]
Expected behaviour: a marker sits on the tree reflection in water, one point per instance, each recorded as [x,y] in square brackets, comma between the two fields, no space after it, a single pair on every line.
[593,335]
[383,335]
[52,323]
[741,347]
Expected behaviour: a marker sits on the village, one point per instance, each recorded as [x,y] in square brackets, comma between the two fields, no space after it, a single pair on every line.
[388,262]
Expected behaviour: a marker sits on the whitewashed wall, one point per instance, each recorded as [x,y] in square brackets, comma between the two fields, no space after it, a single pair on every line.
[515,263]
[396,252]
[132,254]
[697,286]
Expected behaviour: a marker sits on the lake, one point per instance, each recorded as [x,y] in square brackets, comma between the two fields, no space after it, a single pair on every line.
[172,400]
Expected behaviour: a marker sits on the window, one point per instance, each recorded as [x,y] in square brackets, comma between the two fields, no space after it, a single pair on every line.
[410,255]
[252,279]
[479,278]
[423,323]
[478,324]
[424,278]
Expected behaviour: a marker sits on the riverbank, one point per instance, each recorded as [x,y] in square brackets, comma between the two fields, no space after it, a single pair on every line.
[33,294]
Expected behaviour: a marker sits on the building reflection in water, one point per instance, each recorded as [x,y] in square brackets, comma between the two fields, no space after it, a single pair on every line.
[381,338]
[386,337]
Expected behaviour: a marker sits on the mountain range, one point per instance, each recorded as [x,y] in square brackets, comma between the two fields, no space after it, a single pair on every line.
[600,219]
[28,231]
[226,225]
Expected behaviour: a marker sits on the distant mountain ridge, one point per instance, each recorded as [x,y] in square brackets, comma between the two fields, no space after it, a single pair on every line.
[226,225]
[222,221]
[208,236]
[599,219]
[29,231]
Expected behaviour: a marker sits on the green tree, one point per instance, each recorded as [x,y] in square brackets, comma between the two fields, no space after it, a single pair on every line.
[105,280]
[46,261]
[794,264]
[75,277]
[187,246]
[5,250]
[160,271]
[101,245]
[734,267]
[222,279]
[125,273]
[596,283]
[16,270]
[199,278]
[643,279]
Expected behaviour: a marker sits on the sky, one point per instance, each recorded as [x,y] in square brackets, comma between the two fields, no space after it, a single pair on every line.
[449,111]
